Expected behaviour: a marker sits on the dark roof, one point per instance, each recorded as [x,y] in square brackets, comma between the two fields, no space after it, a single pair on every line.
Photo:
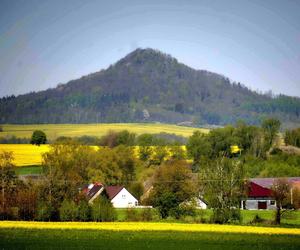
[94,190]
[112,191]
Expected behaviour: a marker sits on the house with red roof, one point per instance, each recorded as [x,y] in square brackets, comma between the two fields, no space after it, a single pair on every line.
[260,193]
[119,196]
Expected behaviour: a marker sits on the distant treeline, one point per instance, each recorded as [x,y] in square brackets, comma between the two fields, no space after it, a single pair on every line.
[14,140]
[124,137]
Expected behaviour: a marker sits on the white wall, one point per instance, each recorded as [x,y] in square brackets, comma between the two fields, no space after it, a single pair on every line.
[252,204]
[124,199]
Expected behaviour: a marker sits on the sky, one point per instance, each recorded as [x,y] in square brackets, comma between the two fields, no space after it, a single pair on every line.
[44,43]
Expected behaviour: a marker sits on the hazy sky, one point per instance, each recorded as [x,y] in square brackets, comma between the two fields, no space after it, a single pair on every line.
[43,43]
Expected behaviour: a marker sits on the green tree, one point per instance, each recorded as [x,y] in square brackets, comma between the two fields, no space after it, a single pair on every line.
[102,210]
[105,168]
[280,192]
[222,182]
[9,183]
[220,141]
[136,189]
[172,185]
[84,211]
[292,137]
[126,163]
[271,127]
[68,211]
[198,146]
[126,138]
[38,137]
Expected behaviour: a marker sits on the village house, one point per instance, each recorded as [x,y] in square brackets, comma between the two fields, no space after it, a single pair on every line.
[260,193]
[119,196]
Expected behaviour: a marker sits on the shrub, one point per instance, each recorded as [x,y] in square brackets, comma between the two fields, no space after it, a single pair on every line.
[45,211]
[257,219]
[146,214]
[222,216]
[68,211]
[132,215]
[84,211]
[102,210]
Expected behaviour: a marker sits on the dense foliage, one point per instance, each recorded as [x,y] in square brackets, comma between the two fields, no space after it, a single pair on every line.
[292,137]
[38,137]
[148,85]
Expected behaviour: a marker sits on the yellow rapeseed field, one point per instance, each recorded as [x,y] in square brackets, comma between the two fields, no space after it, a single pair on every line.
[28,155]
[25,154]
[150,226]
[55,130]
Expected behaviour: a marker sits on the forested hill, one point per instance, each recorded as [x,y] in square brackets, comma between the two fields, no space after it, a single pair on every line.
[148,85]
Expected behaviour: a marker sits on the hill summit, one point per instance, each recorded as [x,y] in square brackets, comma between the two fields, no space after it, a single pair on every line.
[148,85]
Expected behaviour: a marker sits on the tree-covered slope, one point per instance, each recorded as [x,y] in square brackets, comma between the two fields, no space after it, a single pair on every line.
[148,85]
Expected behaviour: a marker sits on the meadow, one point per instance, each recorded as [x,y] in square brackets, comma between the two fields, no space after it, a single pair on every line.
[53,235]
[75,130]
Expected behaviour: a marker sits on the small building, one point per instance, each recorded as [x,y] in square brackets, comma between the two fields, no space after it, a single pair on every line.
[260,193]
[118,195]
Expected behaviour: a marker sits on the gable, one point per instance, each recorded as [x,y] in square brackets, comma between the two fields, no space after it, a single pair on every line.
[256,190]
[124,195]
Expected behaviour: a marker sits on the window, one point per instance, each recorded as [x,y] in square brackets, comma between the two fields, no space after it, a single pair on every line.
[272,203]
[123,196]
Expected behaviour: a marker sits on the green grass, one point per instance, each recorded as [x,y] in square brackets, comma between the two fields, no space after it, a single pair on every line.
[29,170]
[289,219]
[74,130]
[96,239]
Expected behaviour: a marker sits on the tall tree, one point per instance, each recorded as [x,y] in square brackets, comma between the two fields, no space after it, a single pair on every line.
[280,192]
[173,184]
[8,184]
[222,182]
[198,146]
[271,127]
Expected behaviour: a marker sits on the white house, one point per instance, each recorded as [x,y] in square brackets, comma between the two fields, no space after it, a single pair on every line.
[120,197]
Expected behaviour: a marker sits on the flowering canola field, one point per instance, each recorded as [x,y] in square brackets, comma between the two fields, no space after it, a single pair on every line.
[28,155]
[25,154]
[150,226]
[75,130]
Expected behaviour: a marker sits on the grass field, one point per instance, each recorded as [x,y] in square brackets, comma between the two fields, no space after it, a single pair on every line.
[48,235]
[74,130]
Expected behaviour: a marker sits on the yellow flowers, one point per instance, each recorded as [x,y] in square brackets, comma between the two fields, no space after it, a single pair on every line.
[150,226]
[25,154]
[74,130]
[235,149]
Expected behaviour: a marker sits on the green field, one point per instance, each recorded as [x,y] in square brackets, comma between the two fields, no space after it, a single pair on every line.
[74,130]
[111,239]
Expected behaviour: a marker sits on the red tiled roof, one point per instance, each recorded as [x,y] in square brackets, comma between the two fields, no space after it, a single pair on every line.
[112,191]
